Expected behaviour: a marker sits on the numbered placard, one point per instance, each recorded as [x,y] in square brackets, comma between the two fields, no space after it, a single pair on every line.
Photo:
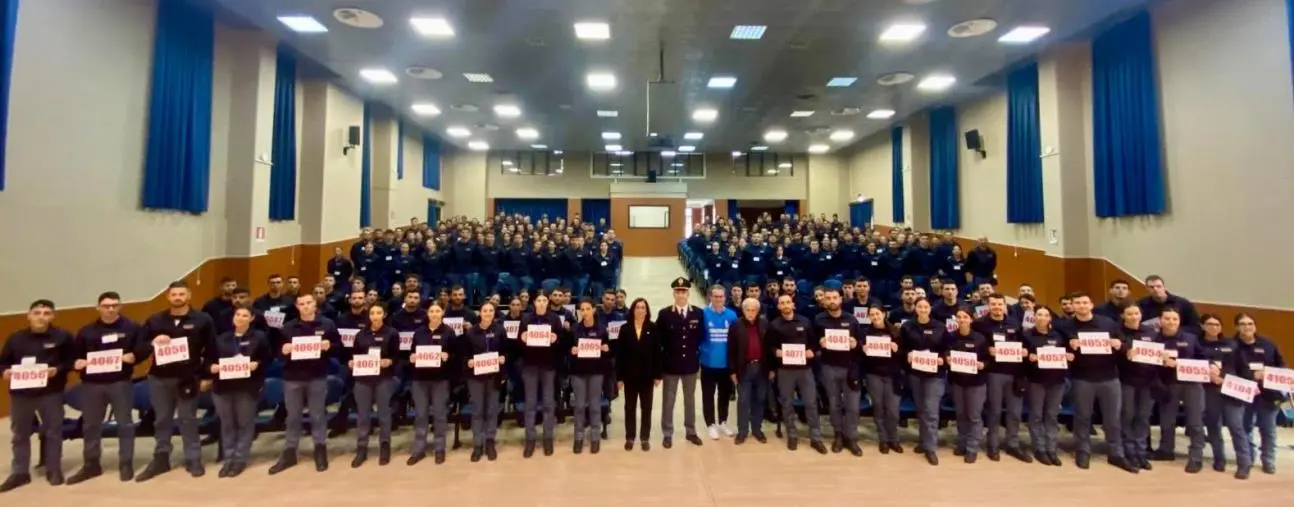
[307,348]
[925,361]
[368,365]
[426,356]
[860,315]
[485,363]
[274,318]
[28,376]
[455,323]
[1146,352]
[406,340]
[951,324]
[836,339]
[1193,370]
[1278,379]
[878,346]
[1239,388]
[1094,343]
[175,351]
[613,329]
[1009,352]
[539,335]
[588,348]
[103,361]
[348,337]
[793,354]
[512,328]
[960,361]
[233,368]
[1053,358]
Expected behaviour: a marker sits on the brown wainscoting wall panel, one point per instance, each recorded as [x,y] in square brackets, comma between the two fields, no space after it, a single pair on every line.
[305,261]
[574,207]
[720,209]
[648,242]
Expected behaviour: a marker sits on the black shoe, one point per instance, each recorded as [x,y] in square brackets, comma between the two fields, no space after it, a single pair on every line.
[491,452]
[195,469]
[629,445]
[1144,464]
[818,446]
[54,477]
[530,449]
[1242,473]
[759,437]
[1269,469]
[894,446]
[1219,466]
[994,455]
[1042,458]
[548,447]
[1016,453]
[969,458]
[646,446]
[361,455]
[1083,460]
[853,448]
[883,448]
[15,481]
[595,447]
[224,469]
[837,444]
[694,440]
[286,460]
[959,451]
[741,439]
[917,449]
[126,472]
[667,442]
[932,458]
[237,469]
[160,465]
[416,457]
[1163,456]
[89,471]
[778,432]
[383,453]
[321,458]
[578,447]
[604,430]
[1054,459]
[1123,464]
[1194,467]
[440,457]
[791,444]
[477,453]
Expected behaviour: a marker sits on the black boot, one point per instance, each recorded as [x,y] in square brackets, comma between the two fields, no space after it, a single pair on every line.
[54,477]
[894,446]
[15,481]
[1083,460]
[477,452]
[595,447]
[993,454]
[384,453]
[321,458]
[1194,466]
[1042,458]
[361,455]
[529,450]
[417,456]
[853,448]
[126,472]
[791,444]
[817,446]
[89,471]
[667,442]
[837,444]
[286,460]
[225,468]
[969,458]
[1123,464]
[1054,459]
[195,468]
[932,458]
[440,457]
[548,447]
[578,447]
[237,469]
[491,452]
[161,464]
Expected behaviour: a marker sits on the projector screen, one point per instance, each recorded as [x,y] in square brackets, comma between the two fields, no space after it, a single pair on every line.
[649,217]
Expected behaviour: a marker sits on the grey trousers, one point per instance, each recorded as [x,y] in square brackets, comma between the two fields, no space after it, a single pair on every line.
[1003,401]
[669,394]
[437,393]
[1044,416]
[1226,412]
[885,407]
[1191,397]
[23,410]
[969,401]
[296,395]
[842,402]
[367,393]
[1086,395]
[167,402]
[927,392]
[588,405]
[95,399]
[237,412]
[540,391]
[484,395]
[1137,403]
[789,381]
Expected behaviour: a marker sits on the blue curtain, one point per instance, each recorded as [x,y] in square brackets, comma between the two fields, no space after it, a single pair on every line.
[8,29]
[1023,147]
[860,213]
[945,204]
[366,171]
[1128,166]
[399,149]
[534,208]
[283,174]
[791,207]
[594,209]
[734,211]
[896,175]
[177,166]
[433,212]
[430,161]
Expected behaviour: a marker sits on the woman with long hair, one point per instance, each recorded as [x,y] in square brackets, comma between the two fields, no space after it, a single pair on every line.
[430,384]
[969,389]
[638,368]
[537,337]
[883,365]
[1260,353]
[381,340]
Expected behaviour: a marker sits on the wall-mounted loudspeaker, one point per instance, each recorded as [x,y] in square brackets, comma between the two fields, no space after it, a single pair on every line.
[975,142]
[353,137]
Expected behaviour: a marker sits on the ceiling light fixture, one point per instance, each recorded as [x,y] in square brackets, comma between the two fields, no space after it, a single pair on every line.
[668,154]
[686,149]
[903,32]
[936,83]
[458,132]
[736,154]
[478,145]
[758,147]
[539,147]
[801,114]
[527,133]
[819,148]
[972,28]
[378,76]
[693,136]
[601,81]
[784,165]
[478,77]
[1024,34]
[841,82]
[303,24]
[748,32]
[705,114]
[603,113]
[425,109]
[842,135]
[775,136]
[558,152]
[881,114]
[624,153]
[610,136]
[614,147]
[432,27]
[722,82]
[507,111]
[592,30]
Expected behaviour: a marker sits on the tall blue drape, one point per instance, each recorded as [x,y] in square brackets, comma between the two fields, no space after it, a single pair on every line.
[399,149]
[177,163]
[945,204]
[534,208]
[430,161]
[8,29]
[283,174]
[366,171]
[433,212]
[791,207]
[734,211]
[1127,163]
[593,210]
[860,213]
[899,213]
[1023,147]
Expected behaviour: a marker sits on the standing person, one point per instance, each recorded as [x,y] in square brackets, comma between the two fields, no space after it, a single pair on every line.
[589,345]
[1096,380]
[481,344]
[305,382]
[1178,344]
[112,336]
[173,385]
[235,397]
[1259,353]
[1046,388]
[792,332]
[638,368]
[1221,411]
[969,387]
[43,351]
[380,340]
[715,371]
[1139,383]
[884,378]
[430,383]
[750,355]
[837,337]
[1005,378]
[1160,299]
[681,331]
[349,323]
[539,333]
[924,334]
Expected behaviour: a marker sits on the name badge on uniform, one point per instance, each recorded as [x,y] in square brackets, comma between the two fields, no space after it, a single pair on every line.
[110,338]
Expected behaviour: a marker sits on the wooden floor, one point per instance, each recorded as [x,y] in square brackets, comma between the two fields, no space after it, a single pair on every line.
[718,474]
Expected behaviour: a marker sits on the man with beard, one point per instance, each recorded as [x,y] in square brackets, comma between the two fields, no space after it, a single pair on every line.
[109,335]
[837,337]
[349,323]
[223,302]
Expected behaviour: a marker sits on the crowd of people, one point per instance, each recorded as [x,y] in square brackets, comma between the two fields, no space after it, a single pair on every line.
[803,314]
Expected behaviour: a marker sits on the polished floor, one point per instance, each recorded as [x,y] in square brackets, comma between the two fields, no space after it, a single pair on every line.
[717,474]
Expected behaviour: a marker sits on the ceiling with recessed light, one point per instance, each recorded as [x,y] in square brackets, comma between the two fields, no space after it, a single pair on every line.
[511,74]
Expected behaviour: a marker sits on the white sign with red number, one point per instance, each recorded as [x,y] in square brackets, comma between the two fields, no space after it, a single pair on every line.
[926,361]
[103,361]
[233,368]
[1145,352]
[1278,379]
[368,365]
[613,329]
[1028,321]
[878,346]
[306,348]
[486,363]
[1193,370]
[588,348]
[860,315]
[406,340]
[981,311]
[455,323]
[1009,352]
[836,339]
[177,350]
[539,336]
[29,376]
[426,356]
[793,354]
[1239,388]
[348,337]
[1094,343]
[951,324]
[274,318]
[512,327]
[960,361]
[1052,358]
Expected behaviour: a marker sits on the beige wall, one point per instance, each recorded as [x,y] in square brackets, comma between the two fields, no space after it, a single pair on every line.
[983,179]
[826,194]
[575,182]
[463,181]
[868,171]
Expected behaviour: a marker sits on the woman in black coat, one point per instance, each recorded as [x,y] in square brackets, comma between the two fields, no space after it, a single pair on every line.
[638,367]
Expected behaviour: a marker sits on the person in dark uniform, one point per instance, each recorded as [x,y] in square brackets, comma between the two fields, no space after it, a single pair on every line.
[925,334]
[41,351]
[638,368]
[235,398]
[538,334]
[1139,383]
[349,323]
[681,329]
[587,368]
[1259,353]
[795,331]
[381,340]
[430,386]
[750,355]
[1046,388]
[1189,396]
[837,336]
[485,337]
[969,388]
[884,378]
[1223,412]
[305,382]
[1096,380]
[1006,386]
[114,336]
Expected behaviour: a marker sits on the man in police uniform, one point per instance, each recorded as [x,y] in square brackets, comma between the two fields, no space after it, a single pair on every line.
[682,328]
